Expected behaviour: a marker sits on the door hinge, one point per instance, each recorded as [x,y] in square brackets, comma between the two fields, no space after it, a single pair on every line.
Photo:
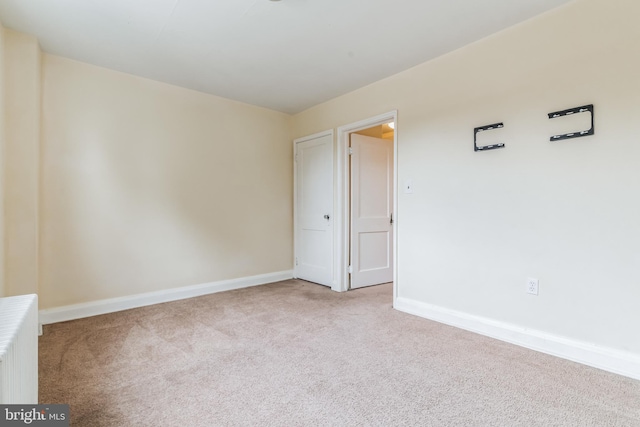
[350,151]
[350,269]
[296,260]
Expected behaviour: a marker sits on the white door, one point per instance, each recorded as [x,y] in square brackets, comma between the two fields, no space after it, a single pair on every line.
[314,210]
[371,211]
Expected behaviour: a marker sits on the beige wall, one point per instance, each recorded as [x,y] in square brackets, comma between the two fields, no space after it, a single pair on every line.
[478,224]
[22,154]
[2,164]
[147,186]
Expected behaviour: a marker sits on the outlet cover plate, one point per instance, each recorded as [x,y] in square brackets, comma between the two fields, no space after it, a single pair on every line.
[408,186]
[532,286]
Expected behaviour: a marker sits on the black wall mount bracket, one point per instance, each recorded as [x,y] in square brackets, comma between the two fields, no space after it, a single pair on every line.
[570,111]
[483,129]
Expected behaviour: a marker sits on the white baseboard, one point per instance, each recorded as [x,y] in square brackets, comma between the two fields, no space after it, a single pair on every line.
[608,359]
[94,308]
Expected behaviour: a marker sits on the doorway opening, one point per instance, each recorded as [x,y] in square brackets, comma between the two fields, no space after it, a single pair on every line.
[367,203]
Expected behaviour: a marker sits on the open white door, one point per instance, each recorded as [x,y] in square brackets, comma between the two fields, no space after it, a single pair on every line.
[371,211]
[314,209]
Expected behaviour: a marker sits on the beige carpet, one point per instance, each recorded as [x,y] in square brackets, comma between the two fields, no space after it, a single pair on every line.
[296,354]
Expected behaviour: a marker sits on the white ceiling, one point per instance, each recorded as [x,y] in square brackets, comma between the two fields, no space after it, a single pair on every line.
[287,55]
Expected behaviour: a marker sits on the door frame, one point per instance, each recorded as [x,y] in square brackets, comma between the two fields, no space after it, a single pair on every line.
[295,201]
[342,225]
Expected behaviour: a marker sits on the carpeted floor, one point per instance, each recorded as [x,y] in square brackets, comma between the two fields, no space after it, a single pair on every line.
[297,354]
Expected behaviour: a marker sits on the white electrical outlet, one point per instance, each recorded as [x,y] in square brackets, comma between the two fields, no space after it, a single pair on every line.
[532,286]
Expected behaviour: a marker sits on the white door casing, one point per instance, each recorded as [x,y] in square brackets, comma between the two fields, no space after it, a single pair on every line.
[313,215]
[371,222]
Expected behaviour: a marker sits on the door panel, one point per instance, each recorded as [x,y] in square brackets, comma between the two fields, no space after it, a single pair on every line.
[371,211]
[373,254]
[314,210]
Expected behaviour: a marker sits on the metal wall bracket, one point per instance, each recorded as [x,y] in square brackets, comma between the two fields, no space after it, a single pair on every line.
[483,129]
[570,111]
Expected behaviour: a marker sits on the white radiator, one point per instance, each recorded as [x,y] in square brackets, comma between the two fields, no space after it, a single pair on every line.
[19,350]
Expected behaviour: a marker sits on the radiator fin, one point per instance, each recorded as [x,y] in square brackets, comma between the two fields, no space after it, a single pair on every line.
[19,350]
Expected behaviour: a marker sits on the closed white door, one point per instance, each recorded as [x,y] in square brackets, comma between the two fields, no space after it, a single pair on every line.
[314,210]
[371,211]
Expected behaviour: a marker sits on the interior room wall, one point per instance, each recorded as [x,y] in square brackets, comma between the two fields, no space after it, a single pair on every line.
[480,223]
[2,164]
[147,186]
[21,161]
